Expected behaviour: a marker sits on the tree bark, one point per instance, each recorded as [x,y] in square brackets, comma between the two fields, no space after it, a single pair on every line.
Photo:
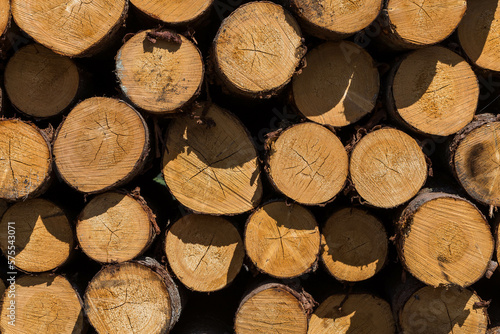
[177,12]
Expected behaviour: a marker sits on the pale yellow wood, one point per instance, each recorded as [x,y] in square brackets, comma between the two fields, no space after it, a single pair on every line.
[4,15]
[174,11]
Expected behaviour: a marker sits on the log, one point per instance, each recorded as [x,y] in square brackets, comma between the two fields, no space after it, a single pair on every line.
[478,32]
[3,207]
[433,91]
[307,163]
[444,240]
[339,86]
[420,23]
[205,252]
[273,308]
[337,19]
[43,237]
[474,159]
[70,28]
[495,330]
[41,83]
[356,313]
[159,71]
[212,170]
[281,240]
[355,245]
[102,144]
[43,304]
[387,168]
[177,12]
[442,310]
[4,16]
[136,297]
[25,160]
[257,49]
[115,227]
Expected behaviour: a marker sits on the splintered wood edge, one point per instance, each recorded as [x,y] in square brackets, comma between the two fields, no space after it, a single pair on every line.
[163,12]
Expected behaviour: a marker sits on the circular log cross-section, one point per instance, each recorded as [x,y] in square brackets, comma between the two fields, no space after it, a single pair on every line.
[443,311]
[335,19]
[212,170]
[43,304]
[174,11]
[354,245]
[204,252]
[387,168]
[257,49]
[282,241]
[4,15]
[444,240]
[419,23]
[71,28]
[271,308]
[159,74]
[115,227]
[102,144]
[39,82]
[308,163]
[434,91]
[26,160]
[132,298]
[479,31]
[356,313]
[43,237]
[339,85]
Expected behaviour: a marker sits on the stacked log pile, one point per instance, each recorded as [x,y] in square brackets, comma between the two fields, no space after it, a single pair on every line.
[234,166]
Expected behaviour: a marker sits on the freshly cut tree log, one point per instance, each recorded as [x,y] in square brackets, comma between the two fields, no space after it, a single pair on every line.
[43,304]
[25,160]
[387,168]
[103,143]
[497,239]
[356,313]
[354,245]
[39,82]
[335,19]
[443,310]
[478,33]
[433,91]
[132,297]
[444,239]
[257,49]
[308,163]
[4,15]
[212,170]
[174,12]
[159,71]
[273,308]
[339,85]
[475,159]
[281,240]
[495,330]
[115,227]
[71,28]
[204,252]
[419,23]
[43,237]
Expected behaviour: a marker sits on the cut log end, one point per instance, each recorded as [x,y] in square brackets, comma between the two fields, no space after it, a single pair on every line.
[282,241]
[393,162]
[101,144]
[74,29]
[26,162]
[204,252]
[453,312]
[435,91]
[39,82]
[339,85]
[158,75]
[43,304]
[257,49]
[444,240]
[178,12]
[212,170]
[4,15]
[347,314]
[114,227]
[354,245]
[308,163]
